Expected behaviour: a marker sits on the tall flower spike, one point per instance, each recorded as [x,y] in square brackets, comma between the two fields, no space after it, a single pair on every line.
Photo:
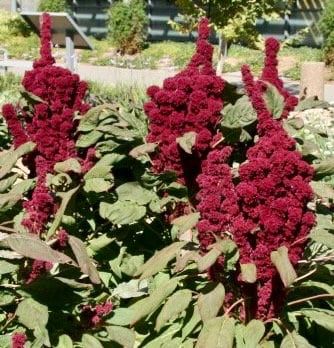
[46,42]
[188,102]
[273,194]
[270,74]
[50,125]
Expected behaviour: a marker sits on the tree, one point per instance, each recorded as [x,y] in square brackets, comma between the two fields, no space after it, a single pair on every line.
[232,19]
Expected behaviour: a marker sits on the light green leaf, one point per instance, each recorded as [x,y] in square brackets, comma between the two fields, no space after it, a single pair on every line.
[322,189]
[133,192]
[280,259]
[133,288]
[253,333]
[122,213]
[121,335]
[64,342]
[150,304]
[97,185]
[89,341]
[89,139]
[175,305]
[293,340]
[32,314]
[320,235]
[69,165]
[91,119]
[248,272]
[100,170]
[85,263]
[6,183]
[6,298]
[31,246]
[131,264]
[191,324]
[210,304]
[186,222]
[325,167]
[321,317]
[143,150]
[274,101]
[217,333]
[7,267]
[159,260]
[187,141]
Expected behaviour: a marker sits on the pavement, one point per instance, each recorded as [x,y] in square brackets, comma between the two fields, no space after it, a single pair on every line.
[145,77]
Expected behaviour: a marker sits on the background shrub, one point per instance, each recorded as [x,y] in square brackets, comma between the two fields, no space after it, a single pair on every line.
[54,6]
[327,27]
[127,23]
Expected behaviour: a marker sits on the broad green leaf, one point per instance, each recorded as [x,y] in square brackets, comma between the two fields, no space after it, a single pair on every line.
[226,247]
[210,304]
[6,183]
[133,192]
[32,314]
[100,170]
[217,333]
[96,244]
[121,316]
[64,342]
[143,150]
[322,189]
[321,317]
[187,141]
[131,264]
[69,165]
[150,304]
[159,260]
[274,101]
[22,187]
[323,236]
[121,335]
[31,246]
[248,272]
[186,222]
[5,341]
[91,119]
[191,324]
[175,305]
[41,338]
[253,333]
[89,139]
[85,263]
[66,198]
[7,267]
[280,259]
[293,340]
[164,337]
[311,103]
[6,298]
[89,341]
[133,288]
[318,286]
[30,97]
[122,213]
[10,158]
[97,185]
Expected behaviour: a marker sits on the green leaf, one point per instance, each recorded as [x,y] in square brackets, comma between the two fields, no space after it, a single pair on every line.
[10,158]
[142,150]
[227,247]
[85,263]
[132,289]
[175,305]
[321,317]
[96,244]
[320,235]
[131,264]
[122,213]
[253,333]
[280,259]
[64,342]
[217,333]
[159,260]
[100,170]
[248,272]
[89,139]
[150,304]
[91,118]
[30,97]
[7,267]
[311,103]
[274,101]
[325,167]
[186,222]
[32,314]
[187,141]
[70,165]
[89,341]
[121,335]
[6,298]
[66,198]
[121,316]
[191,324]
[322,189]
[209,304]
[133,192]
[97,185]
[6,183]
[31,246]
[293,340]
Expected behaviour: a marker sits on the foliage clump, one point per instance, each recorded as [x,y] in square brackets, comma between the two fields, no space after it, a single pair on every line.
[127,25]
[54,6]
[327,28]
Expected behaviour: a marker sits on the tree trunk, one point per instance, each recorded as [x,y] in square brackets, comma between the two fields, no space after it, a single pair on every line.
[222,54]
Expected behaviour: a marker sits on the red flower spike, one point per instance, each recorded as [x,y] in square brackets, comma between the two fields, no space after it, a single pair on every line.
[189,101]
[52,126]
[94,316]
[270,74]
[18,340]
